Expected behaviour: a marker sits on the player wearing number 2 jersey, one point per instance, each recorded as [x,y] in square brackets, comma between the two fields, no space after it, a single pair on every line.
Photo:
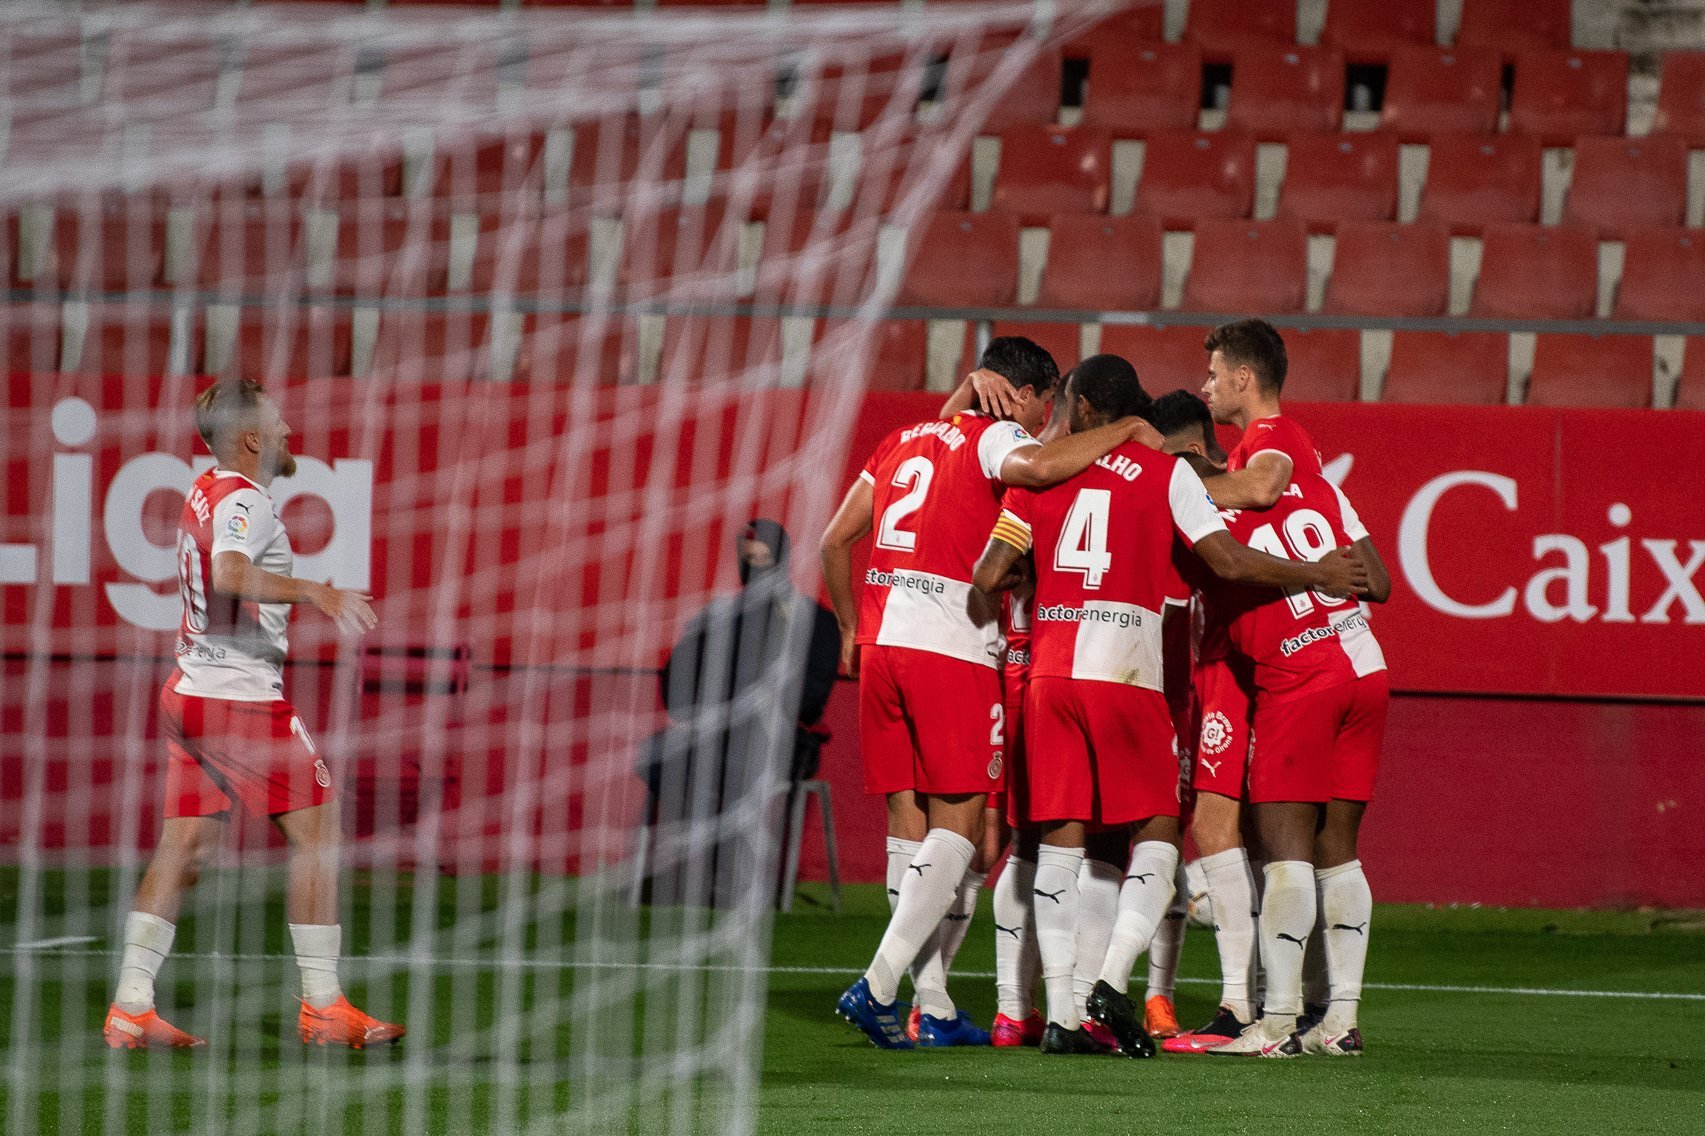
[924,644]
[230,735]
[1099,736]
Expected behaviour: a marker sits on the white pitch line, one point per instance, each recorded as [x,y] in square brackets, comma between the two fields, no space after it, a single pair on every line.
[842,971]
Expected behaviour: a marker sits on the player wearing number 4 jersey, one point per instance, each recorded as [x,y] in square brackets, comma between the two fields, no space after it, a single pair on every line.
[924,646]
[1099,735]
[231,738]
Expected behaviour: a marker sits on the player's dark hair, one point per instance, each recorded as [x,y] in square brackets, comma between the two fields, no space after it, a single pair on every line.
[1110,385]
[1177,411]
[1021,362]
[1255,344]
[227,404]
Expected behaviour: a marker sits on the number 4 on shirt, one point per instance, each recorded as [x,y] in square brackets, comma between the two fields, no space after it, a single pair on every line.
[1083,537]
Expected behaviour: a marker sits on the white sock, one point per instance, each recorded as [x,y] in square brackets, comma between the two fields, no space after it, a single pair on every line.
[1315,987]
[147,942]
[1143,900]
[929,975]
[1346,911]
[1056,903]
[1016,957]
[900,853]
[1287,917]
[931,881]
[317,950]
[1232,894]
[1168,943]
[1097,908]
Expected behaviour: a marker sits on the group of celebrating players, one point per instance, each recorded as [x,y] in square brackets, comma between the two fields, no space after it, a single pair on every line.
[1081,632]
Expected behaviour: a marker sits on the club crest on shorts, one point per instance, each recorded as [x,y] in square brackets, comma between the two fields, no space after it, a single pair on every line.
[995,766]
[322,775]
[1216,733]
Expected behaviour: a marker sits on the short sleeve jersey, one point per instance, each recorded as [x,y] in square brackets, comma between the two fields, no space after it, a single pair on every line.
[1278,434]
[229,648]
[936,493]
[1299,641]
[1104,545]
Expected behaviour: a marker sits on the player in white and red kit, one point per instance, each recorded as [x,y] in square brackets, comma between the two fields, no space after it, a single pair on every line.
[1099,738]
[231,737]
[924,646]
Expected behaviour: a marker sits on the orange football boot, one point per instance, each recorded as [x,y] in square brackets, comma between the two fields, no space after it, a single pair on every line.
[1159,1017]
[147,1030]
[342,1024]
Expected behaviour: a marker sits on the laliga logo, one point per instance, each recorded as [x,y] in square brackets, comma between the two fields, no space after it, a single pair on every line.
[346,486]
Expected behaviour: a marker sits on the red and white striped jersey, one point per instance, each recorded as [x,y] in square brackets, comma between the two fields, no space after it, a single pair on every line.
[1104,547]
[937,492]
[229,648]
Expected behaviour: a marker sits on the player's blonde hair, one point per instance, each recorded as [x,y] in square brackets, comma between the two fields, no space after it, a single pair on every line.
[225,407]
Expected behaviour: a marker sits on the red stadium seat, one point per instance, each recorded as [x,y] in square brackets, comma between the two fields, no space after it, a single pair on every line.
[392,248]
[1469,368]
[613,152]
[1139,26]
[1134,90]
[238,244]
[416,345]
[1330,178]
[1102,264]
[1188,176]
[305,342]
[133,339]
[1433,90]
[1325,364]
[807,256]
[1474,181]
[1241,266]
[898,361]
[963,260]
[1560,95]
[1663,277]
[526,256]
[565,349]
[708,348]
[1380,269]
[1053,169]
[665,249]
[1537,272]
[1166,358]
[1370,30]
[1277,91]
[1591,370]
[338,180]
[1690,389]
[1623,183]
[32,337]
[1681,97]
[1033,99]
[117,245]
[1061,340]
[889,181]
[1516,25]
[1222,27]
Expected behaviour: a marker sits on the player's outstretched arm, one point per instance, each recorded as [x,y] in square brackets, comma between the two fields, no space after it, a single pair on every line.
[1038,467]
[850,524]
[1379,580]
[1255,487]
[1000,568]
[1338,573]
[237,576]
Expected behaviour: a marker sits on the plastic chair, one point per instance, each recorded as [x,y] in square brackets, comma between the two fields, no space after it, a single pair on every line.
[1331,178]
[1537,272]
[1102,263]
[1190,176]
[1560,95]
[1166,358]
[1325,364]
[1512,26]
[1134,90]
[1627,183]
[1433,90]
[963,260]
[1474,181]
[1053,169]
[1663,276]
[1681,97]
[1240,266]
[1381,269]
[1278,91]
[1469,368]
[1588,370]
[1370,30]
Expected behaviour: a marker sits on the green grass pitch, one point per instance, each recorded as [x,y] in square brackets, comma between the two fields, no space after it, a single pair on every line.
[1477,1021]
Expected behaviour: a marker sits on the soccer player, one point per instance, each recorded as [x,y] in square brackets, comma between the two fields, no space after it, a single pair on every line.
[1099,736]
[924,647]
[1246,373]
[231,737]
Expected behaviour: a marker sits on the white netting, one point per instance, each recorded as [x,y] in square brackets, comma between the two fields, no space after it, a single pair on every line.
[555,303]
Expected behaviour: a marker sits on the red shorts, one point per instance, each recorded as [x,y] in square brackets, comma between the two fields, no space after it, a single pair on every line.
[219,750]
[1222,745]
[1322,746]
[1015,681]
[929,723]
[1099,752]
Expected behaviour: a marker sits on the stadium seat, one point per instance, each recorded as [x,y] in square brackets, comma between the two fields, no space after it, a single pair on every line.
[391,248]
[307,341]
[1141,25]
[1663,276]
[963,260]
[564,349]
[1248,266]
[885,183]
[1330,178]
[1690,389]
[1324,364]
[1560,95]
[661,250]
[1102,263]
[620,150]
[1061,340]
[1381,269]
[1591,370]
[1222,27]
[133,339]
[1188,176]
[1537,272]
[1516,25]
[899,360]
[1469,368]
[415,345]
[118,244]
[337,180]
[32,337]
[805,257]
[1681,97]
[852,99]
[544,255]
[709,348]
[1053,169]
[1278,91]
[1434,90]
[1034,97]
[1623,183]
[1134,90]
[237,244]
[1368,31]
[1166,358]
[1475,180]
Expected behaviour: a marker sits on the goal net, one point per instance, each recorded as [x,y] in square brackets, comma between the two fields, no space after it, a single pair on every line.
[555,304]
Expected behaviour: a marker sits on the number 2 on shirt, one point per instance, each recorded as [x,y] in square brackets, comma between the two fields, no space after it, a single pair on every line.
[917,473]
